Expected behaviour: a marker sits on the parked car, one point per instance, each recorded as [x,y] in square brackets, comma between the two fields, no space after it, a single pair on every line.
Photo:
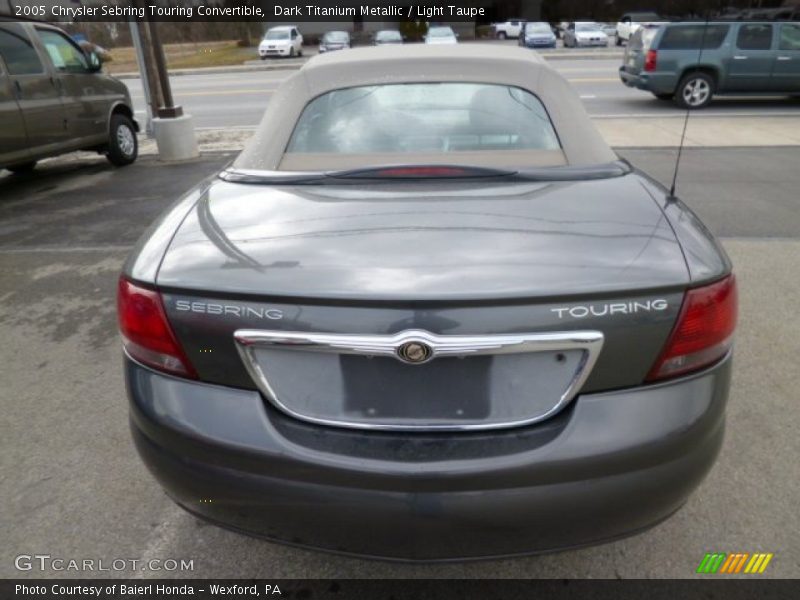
[441,35]
[537,35]
[334,40]
[692,62]
[508,29]
[387,36]
[285,40]
[630,22]
[428,314]
[582,34]
[55,99]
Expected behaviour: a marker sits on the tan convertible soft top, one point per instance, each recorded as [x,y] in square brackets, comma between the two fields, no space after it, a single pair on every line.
[582,144]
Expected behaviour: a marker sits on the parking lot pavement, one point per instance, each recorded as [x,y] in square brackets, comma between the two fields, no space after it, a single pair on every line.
[74,487]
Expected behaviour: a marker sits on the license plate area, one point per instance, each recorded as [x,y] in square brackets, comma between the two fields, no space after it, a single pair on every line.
[483,382]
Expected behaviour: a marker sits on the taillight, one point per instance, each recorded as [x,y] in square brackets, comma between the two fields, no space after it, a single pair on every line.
[146,333]
[650,60]
[703,333]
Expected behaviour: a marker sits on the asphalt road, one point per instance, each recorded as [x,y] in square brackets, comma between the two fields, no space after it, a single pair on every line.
[73,486]
[245,95]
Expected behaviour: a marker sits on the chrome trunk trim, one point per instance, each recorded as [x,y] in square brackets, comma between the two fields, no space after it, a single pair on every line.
[461,346]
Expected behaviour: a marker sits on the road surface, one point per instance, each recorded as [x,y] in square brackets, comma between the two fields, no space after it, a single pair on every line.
[238,100]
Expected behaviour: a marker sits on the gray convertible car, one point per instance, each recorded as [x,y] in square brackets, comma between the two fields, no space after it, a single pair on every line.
[428,314]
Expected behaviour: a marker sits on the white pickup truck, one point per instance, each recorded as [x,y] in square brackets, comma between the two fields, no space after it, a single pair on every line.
[630,22]
[508,29]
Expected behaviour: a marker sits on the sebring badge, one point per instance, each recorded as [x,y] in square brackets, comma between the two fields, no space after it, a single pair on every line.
[243,311]
[414,353]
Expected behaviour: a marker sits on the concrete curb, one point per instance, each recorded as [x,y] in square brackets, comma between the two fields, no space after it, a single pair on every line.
[213,70]
[582,55]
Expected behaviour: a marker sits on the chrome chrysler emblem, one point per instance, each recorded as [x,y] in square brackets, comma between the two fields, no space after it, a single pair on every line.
[414,353]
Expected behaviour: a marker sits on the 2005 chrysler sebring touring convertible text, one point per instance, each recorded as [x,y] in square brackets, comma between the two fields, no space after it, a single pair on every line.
[428,314]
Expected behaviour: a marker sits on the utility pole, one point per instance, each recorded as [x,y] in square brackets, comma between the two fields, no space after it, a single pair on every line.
[172,128]
[156,97]
[140,60]
[167,109]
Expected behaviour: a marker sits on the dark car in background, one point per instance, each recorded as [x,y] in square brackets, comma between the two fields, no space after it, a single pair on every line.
[693,62]
[334,40]
[537,35]
[55,99]
[428,314]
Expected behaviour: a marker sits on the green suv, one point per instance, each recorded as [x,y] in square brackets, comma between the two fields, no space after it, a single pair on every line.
[54,99]
[691,62]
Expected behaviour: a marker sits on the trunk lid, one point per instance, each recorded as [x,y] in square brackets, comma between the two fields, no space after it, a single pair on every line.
[443,261]
[434,241]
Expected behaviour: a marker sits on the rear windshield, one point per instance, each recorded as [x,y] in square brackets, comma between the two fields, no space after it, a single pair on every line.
[440,32]
[538,28]
[643,38]
[277,35]
[336,36]
[693,37]
[423,118]
[388,35]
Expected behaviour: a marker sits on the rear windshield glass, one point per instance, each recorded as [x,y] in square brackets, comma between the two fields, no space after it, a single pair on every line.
[693,37]
[336,36]
[643,38]
[388,36]
[538,28]
[423,118]
[440,32]
[277,35]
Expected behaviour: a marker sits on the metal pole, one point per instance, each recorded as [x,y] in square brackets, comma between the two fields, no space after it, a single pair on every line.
[156,97]
[137,45]
[168,110]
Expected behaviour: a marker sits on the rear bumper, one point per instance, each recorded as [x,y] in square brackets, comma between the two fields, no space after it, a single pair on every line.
[651,82]
[591,43]
[539,44]
[610,465]
[283,51]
